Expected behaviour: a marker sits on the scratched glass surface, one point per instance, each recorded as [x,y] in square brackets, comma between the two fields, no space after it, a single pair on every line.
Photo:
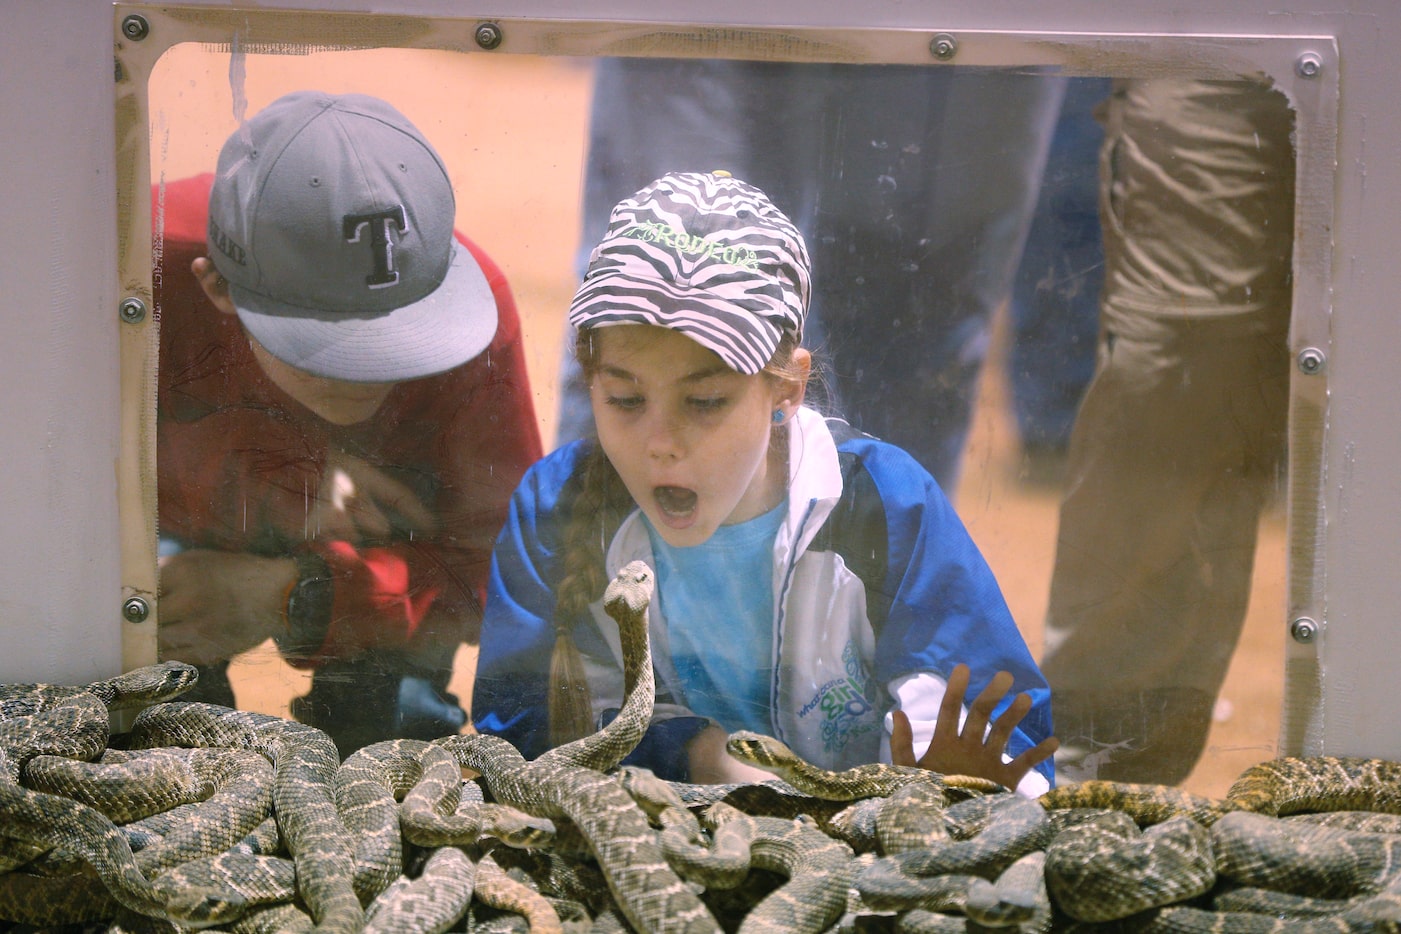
[950,359]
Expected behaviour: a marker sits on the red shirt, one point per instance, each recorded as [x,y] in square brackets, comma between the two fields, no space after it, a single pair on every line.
[239,461]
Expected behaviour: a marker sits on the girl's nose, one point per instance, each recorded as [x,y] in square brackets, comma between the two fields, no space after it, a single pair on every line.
[664,439]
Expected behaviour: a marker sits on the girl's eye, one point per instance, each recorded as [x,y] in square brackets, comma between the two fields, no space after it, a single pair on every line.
[626,403]
[708,403]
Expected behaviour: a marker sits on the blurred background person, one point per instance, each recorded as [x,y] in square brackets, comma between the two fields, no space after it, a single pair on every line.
[1179,444]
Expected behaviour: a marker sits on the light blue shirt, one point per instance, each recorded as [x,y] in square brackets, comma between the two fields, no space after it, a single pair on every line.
[717,598]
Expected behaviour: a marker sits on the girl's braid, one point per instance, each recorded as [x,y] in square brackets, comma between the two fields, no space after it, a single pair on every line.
[597,512]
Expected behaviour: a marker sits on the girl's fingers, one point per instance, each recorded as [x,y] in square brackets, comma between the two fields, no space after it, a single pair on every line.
[1034,756]
[946,727]
[1007,721]
[902,740]
[980,711]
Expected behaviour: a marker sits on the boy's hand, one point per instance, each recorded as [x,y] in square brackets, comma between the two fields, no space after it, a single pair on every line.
[216,604]
[361,504]
[968,752]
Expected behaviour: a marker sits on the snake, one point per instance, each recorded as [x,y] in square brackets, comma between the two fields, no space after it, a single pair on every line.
[873,780]
[567,781]
[1107,869]
[943,872]
[304,761]
[819,870]
[125,786]
[431,902]
[367,788]
[1017,899]
[411,791]
[1335,878]
[208,816]
[497,889]
[75,721]
[238,807]
[720,860]
[1318,783]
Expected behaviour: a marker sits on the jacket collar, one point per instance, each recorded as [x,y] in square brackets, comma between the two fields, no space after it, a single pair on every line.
[814,478]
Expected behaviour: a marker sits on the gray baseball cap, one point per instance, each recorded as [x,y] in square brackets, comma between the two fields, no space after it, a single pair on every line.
[331,217]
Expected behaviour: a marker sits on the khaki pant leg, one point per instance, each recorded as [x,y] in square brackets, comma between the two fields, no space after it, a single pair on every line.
[1178,441]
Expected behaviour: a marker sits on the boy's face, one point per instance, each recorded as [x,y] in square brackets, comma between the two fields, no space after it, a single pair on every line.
[337,401]
[688,435]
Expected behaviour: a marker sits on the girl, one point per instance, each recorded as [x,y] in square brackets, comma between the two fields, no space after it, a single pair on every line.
[812,583]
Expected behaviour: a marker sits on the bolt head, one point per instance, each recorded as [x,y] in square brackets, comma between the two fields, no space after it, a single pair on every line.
[1309,65]
[943,46]
[1311,361]
[488,36]
[132,310]
[135,27]
[1303,630]
[135,610]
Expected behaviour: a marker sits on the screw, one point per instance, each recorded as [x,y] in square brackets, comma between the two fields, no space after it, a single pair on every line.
[1309,65]
[132,310]
[135,610]
[135,27]
[1303,630]
[943,46]
[488,36]
[1311,361]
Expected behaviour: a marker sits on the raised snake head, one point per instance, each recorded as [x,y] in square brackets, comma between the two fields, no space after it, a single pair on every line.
[629,593]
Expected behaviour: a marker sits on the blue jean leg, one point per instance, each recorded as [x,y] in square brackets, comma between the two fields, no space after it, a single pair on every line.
[1055,296]
[924,210]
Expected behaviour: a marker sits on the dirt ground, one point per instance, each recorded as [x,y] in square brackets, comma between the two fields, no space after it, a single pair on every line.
[512,131]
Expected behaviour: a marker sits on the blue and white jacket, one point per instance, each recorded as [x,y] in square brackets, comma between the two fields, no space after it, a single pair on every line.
[879,591]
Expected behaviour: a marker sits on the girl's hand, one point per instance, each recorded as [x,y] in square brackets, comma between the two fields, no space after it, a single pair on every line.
[969,752]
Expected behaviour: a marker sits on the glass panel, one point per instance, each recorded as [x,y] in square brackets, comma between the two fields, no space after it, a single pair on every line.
[916,185]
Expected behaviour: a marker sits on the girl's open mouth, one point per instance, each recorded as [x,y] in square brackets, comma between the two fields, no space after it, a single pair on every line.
[676,502]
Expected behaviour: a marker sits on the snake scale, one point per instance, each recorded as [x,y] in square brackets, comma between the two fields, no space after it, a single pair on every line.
[202,816]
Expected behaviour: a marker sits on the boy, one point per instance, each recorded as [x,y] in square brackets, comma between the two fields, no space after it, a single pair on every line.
[343,411]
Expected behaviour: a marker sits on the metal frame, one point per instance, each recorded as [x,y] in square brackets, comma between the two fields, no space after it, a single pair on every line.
[74,560]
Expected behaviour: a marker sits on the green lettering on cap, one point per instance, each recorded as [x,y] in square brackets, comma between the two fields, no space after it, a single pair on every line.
[692,245]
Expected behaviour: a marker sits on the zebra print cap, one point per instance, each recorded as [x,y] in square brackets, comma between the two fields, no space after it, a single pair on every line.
[704,254]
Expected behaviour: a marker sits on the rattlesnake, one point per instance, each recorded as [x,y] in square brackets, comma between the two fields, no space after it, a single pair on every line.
[876,780]
[1106,869]
[556,785]
[45,719]
[304,761]
[939,852]
[819,871]
[411,791]
[1247,845]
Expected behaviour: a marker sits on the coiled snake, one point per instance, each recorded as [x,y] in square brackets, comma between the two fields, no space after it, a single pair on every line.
[230,819]
[566,783]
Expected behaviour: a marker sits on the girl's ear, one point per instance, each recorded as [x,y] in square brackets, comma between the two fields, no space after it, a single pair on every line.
[788,394]
[214,285]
